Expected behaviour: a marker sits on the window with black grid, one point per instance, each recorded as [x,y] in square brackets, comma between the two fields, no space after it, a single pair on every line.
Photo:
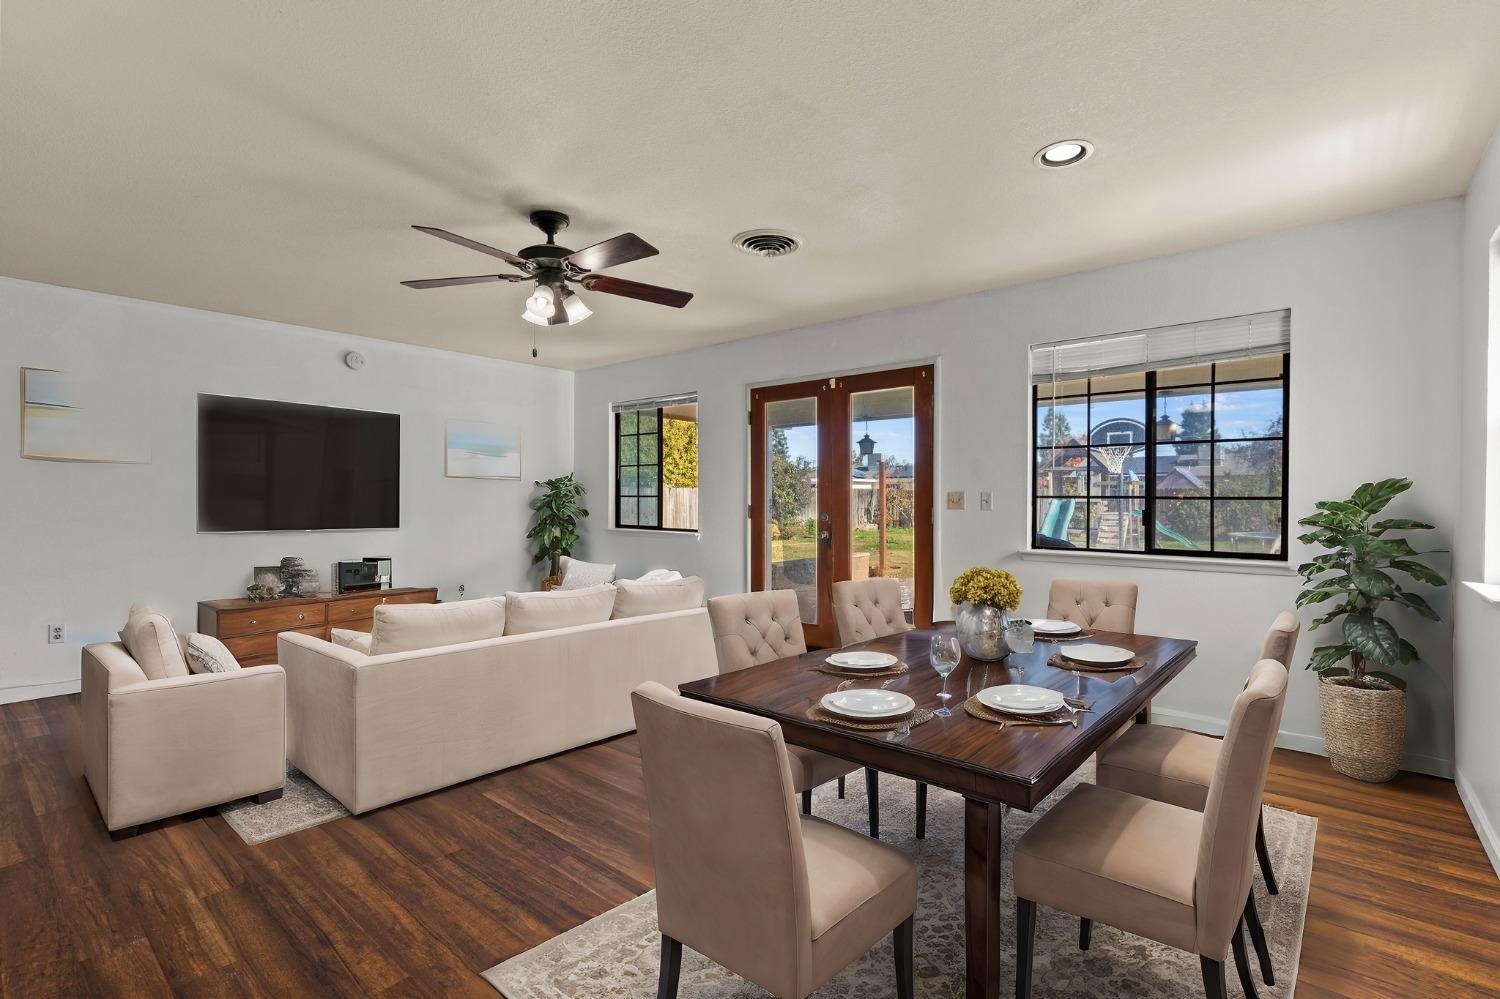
[656,464]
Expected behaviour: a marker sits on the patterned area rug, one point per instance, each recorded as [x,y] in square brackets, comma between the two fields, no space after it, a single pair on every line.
[302,805]
[615,956]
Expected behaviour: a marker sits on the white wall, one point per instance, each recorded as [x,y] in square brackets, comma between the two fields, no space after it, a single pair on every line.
[1375,323]
[1476,666]
[80,542]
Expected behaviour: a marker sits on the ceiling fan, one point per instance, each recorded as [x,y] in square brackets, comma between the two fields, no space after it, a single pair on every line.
[554,267]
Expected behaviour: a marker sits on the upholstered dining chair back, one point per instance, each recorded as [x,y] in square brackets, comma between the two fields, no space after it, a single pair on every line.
[752,628]
[731,874]
[1226,850]
[1106,604]
[868,608]
[1280,642]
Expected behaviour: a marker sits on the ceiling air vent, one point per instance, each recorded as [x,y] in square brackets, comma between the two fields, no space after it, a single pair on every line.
[767,242]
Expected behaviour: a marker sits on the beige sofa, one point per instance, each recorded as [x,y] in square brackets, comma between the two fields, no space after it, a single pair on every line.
[162,747]
[376,729]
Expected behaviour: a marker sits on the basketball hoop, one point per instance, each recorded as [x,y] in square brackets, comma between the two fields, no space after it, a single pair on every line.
[1113,458]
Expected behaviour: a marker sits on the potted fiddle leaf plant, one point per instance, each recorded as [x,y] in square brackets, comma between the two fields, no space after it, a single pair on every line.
[558,510]
[1364,574]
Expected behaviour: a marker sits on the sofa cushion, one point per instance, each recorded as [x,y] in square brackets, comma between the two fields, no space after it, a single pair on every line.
[206,654]
[409,627]
[578,574]
[531,612]
[151,642]
[359,641]
[634,598]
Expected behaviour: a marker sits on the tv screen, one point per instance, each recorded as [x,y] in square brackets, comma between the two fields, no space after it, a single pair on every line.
[281,466]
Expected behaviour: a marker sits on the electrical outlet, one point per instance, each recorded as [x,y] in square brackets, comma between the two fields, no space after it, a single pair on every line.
[460,591]
[985,501]
[57,634]
[956,500]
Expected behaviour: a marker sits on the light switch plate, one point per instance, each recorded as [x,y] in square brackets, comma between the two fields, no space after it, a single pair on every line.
[985,501]
[956,500]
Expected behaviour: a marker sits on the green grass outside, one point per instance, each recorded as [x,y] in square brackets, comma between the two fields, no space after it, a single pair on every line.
[900,547]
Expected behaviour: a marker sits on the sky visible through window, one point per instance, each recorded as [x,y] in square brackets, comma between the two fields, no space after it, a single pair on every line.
[893,438]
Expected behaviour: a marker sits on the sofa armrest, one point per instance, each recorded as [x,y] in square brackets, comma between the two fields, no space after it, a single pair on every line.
[320,678]
[188,742]
[106,667]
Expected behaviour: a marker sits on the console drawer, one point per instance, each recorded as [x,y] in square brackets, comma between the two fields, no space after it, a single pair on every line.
[257,650]
[346,609]
[257,621]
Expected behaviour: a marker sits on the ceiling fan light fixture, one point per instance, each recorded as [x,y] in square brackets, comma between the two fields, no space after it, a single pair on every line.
[540,306]
[573,306]
[1064,153]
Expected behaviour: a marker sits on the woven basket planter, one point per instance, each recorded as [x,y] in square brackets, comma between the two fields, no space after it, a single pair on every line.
[1364,730]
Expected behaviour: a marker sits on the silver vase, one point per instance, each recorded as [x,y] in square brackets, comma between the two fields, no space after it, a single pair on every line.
[981,631]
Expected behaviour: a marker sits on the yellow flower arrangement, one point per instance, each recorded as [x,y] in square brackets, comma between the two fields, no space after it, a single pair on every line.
[990,587]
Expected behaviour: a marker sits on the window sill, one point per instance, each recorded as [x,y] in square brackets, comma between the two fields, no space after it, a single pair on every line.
[647,532]
[1487,591]
[1188,562]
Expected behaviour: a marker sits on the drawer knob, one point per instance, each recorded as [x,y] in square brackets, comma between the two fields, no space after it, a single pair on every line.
[255,622]
[301,617]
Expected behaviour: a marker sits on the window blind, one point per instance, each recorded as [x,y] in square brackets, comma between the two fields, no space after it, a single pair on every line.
[659,402]
[1163,347]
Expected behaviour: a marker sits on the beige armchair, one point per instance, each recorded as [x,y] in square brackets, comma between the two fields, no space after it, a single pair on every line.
[865,609]
[1171,874]
[754,628]
[1108,605]
[781,900]
[156,748]
[1171,765]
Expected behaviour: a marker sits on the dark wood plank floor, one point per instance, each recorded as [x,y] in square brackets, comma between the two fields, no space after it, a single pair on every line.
[418,898]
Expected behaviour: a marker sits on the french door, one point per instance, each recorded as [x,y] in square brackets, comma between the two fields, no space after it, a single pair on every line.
[841,487]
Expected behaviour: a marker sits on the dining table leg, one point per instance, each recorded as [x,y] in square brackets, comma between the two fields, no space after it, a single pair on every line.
[983,861]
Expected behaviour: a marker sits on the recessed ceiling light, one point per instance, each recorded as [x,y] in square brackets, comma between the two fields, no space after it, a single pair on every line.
[1064,153]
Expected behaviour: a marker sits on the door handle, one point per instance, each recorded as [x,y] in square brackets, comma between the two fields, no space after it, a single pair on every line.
[825,537]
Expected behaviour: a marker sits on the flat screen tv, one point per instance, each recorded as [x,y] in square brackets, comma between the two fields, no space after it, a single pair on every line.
[281,466]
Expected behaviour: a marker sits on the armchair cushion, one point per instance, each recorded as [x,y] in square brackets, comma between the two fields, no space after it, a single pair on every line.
[359,641]
[151,642]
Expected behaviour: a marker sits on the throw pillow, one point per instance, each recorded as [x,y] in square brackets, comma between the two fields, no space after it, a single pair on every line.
[634,598]
[659,576]
[531,612]
[409,627]
[206,654]
[578,574]
[151,642]
[359,641]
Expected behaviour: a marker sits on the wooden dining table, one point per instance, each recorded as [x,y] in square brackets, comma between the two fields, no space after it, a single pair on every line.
[991,766]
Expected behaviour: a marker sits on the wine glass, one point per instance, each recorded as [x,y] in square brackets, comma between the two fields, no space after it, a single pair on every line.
[944,656]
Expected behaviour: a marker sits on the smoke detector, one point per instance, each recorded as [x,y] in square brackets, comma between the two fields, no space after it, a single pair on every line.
[767,242]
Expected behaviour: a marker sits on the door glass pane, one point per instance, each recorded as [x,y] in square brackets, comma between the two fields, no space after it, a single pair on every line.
[882,488]
[792,501]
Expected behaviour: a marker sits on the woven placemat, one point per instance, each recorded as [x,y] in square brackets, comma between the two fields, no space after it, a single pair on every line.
[917,717]
[857,674]
[1077,667]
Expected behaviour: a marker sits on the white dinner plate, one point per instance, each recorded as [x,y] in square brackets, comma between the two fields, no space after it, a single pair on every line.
[1021,699]
[862,660]
[1052,626]
[1097,655]
[868,704]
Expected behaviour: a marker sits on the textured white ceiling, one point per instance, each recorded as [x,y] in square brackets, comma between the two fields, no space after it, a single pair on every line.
[266,159]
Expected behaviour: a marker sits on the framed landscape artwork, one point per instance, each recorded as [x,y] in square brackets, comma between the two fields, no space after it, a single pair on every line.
[482,451]
[67,417]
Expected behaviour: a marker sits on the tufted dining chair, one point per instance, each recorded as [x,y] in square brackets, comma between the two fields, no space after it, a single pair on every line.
[1175,766]
[785,901]
[754,628]
[1108,605]
[1175,875]
[865,609]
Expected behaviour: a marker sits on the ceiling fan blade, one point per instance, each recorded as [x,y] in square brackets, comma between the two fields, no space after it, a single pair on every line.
[451,237]
[620,249]
[634,289]
[450,282]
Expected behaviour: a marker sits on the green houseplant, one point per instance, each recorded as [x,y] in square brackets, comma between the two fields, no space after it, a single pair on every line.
[558,510]
[1361,702]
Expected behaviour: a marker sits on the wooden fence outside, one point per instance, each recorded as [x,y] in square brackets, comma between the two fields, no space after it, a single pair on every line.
[679,508]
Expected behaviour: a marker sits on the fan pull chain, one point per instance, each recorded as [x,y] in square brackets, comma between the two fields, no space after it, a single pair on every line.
[533,341]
